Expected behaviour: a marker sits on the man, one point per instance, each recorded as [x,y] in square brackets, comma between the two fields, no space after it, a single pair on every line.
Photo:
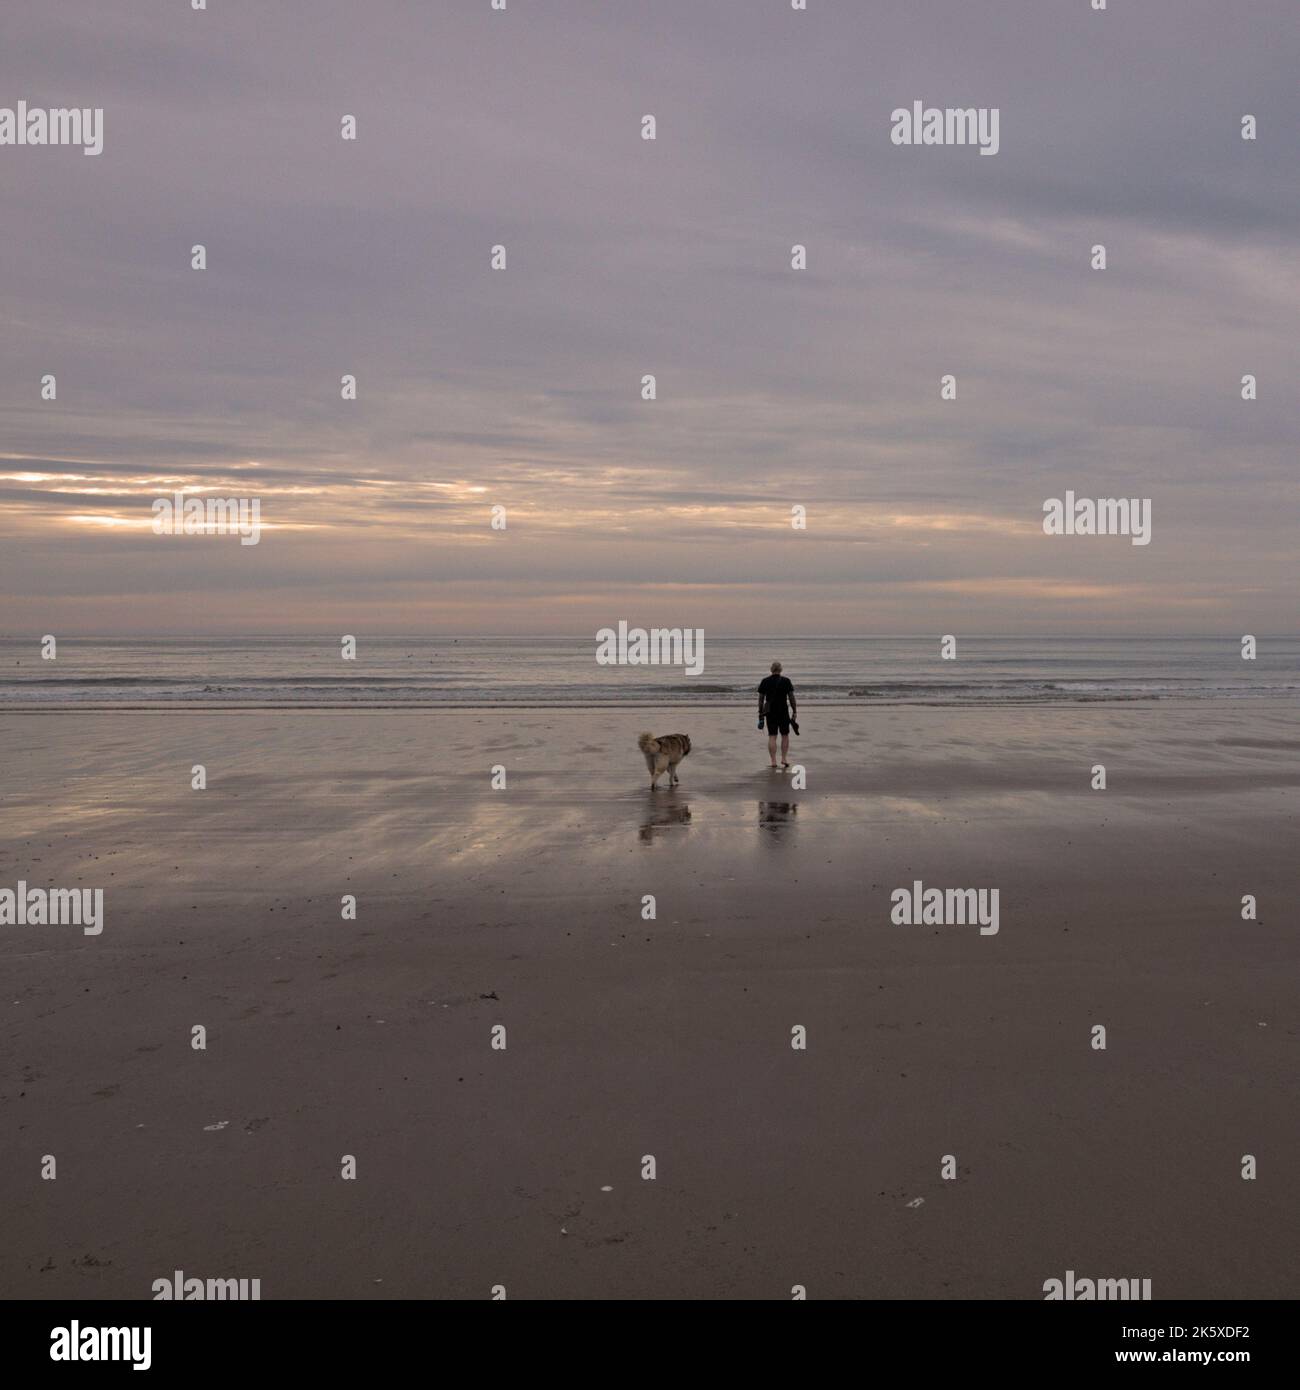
[774,692]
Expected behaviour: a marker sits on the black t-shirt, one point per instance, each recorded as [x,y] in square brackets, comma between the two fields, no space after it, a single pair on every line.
[776,689]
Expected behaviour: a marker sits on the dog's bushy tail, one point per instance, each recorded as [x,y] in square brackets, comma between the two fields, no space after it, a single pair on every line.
[645,741]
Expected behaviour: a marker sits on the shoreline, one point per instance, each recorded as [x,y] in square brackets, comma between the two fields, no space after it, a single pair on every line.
[1046,702]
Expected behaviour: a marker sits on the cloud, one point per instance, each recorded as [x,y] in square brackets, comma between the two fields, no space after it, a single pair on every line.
[775,386]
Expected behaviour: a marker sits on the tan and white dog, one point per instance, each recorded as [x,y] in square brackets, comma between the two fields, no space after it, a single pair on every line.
[662,755]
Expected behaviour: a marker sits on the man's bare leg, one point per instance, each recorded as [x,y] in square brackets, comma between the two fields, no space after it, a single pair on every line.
[785,750]
[771,748]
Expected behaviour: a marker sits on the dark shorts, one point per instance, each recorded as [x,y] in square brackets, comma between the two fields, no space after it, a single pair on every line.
[778,723]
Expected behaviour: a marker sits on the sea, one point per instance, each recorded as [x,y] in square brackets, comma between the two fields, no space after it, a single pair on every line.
[485,672]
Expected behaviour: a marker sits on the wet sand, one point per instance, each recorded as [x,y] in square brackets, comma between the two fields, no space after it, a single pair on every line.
[522,907]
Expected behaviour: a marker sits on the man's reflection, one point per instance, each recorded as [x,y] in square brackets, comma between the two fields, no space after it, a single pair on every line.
[775,818]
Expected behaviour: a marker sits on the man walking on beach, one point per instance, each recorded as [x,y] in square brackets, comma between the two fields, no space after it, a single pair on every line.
[773,693]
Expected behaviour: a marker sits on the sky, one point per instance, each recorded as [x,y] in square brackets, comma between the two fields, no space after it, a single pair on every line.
[522,388]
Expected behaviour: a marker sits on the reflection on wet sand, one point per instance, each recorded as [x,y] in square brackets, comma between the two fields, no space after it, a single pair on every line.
[662,812]
[777,817]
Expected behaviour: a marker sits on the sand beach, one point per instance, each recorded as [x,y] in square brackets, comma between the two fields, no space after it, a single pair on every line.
[522,908]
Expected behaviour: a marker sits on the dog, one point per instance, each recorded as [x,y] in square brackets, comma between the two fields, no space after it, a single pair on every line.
[662,755]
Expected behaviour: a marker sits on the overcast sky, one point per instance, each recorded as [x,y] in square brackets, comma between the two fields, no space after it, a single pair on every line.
[776,387]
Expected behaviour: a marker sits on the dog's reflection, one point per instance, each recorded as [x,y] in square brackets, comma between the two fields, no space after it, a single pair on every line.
[776,818]
[662,812]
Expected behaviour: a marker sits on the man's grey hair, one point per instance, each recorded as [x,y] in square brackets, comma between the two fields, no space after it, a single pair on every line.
[776,668]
